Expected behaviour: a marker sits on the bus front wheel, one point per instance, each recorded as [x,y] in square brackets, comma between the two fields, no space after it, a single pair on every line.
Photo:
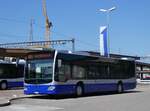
[3,85]
[79,90]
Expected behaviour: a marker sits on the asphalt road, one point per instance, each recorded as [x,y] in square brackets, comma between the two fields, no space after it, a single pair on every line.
[136,100]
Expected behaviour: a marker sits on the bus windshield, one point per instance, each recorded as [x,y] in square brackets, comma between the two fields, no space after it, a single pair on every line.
[39,71]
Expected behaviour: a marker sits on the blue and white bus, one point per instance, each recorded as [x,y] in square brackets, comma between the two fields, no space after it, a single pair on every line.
[11,75]
[59,72]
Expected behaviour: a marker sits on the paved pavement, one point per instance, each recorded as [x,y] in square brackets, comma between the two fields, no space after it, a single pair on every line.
[135,100]
[7,95]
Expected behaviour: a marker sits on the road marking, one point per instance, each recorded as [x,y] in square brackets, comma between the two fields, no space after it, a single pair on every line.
[34,108]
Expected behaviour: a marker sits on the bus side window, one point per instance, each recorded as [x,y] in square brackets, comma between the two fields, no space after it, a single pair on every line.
[63,73]
[20,70]
[78,72]
[68,71]
[104,72]
[12,71]
[1,72]
[92,72]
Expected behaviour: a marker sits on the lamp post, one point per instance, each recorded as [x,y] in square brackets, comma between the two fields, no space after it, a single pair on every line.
[108,17]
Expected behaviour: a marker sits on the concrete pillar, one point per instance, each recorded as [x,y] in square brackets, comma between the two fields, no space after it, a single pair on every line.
[141,75]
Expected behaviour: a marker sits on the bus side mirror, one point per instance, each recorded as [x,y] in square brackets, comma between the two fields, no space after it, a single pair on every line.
[59,63]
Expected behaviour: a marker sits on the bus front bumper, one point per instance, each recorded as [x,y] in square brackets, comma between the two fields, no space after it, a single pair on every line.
[49,89]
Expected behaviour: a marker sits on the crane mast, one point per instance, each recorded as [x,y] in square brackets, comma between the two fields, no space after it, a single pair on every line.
[48,24]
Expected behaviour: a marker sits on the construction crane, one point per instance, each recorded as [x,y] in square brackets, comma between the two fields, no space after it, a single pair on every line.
[48,24]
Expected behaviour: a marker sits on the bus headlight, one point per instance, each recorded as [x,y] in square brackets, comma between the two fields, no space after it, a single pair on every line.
[50,88]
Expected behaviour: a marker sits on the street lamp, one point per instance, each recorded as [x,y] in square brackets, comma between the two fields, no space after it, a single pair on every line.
[107,12]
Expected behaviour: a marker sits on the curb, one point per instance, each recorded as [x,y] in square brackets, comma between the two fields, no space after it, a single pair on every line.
[5,104]
[10,100]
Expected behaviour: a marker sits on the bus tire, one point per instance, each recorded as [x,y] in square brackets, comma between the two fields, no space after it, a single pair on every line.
[120,87]
[79,90]
[3,85]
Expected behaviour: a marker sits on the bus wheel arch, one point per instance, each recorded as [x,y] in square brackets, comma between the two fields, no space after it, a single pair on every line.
[120,87]
[79,91]
[3,85]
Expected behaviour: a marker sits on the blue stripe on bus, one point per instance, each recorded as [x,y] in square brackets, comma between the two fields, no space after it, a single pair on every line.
[107,87]
[71,88]
[128,86]
[15,84]
[100,87]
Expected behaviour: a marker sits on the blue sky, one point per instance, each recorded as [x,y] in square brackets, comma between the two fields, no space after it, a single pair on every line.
[80,19]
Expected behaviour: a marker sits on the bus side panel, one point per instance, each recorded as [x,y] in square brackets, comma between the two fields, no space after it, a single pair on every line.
[65,89]
[15,84]
[100,87]
[128,86]
[70,88]
[109,85]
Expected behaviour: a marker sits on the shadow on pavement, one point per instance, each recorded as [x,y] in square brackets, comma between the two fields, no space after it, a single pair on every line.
[58,97]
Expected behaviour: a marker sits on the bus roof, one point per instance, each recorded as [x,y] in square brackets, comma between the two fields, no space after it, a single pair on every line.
[88,57]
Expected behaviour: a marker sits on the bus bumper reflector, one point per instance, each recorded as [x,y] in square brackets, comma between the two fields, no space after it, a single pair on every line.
[36,92]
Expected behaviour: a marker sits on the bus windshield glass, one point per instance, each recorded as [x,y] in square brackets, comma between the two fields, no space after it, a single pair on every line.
[39,71]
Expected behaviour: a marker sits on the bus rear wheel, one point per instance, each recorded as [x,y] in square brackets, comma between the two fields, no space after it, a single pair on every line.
[120,88]
[79,90]
[3,85]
